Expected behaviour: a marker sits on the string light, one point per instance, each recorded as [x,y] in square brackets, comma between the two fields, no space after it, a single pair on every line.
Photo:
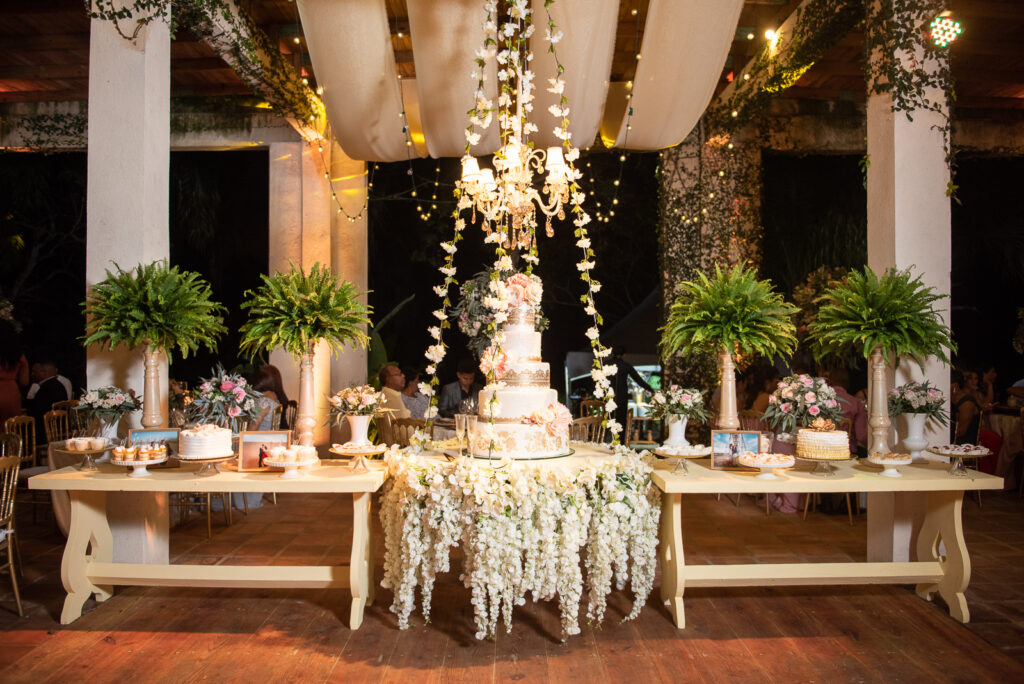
[945,30]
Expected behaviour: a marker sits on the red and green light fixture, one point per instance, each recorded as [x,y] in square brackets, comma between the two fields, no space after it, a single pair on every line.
[945,30]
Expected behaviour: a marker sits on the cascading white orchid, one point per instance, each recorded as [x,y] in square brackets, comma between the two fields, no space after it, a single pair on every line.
[523,531]
[437,350]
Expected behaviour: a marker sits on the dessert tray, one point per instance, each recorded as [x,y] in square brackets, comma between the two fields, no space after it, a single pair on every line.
[71,447]
[957,453]
[691,451]
[766,463]
[349,449]
[891,463]
[138,465]
[209,462]
[291,468]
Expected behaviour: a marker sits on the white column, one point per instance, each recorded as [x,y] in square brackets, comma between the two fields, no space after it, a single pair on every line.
[349,257]
[300,233]
[129,137]
[909,225]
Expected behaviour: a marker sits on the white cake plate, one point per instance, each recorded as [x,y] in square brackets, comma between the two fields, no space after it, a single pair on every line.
[209,463]
[358,453]
[890,467]
[681,468]
[138,466]
[958,469]
[291,468]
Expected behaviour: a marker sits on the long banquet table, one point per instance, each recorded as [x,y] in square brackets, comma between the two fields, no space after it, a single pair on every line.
[88,566]
[930,484]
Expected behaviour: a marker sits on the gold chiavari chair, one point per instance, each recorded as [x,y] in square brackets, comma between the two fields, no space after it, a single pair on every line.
[587,429]
[405,427]
[8,485]
[57,426]
[591,407]
[639,430]
[24,427]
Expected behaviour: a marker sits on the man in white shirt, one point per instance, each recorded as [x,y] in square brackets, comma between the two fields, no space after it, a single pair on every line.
[43,370]
[392,382]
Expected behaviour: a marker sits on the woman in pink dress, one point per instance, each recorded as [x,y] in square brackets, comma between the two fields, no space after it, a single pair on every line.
[13,372]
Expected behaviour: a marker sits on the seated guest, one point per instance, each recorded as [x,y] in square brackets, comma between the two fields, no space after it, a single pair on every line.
[414,400]
[263,382]
[277,387]
[392,382]
[763,380]
[48,390]
[852,408]
[43,370]
[454,393]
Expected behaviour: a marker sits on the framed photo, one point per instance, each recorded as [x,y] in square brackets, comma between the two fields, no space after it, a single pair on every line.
[253,447]
[152,435]
[727,445]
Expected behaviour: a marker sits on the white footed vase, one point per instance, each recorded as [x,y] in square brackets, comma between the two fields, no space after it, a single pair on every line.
[358,427]
[914,441]
[676,431]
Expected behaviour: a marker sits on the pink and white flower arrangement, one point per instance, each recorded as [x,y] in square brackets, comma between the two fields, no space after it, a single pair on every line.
[918,397]
[358,400]
[523,289]
[681,401]
[225,399]
[494,363]
[555,418]
[107,404]
[798,400]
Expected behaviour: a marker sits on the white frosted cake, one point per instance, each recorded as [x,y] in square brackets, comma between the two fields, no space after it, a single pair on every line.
[823,445]
[204,441]
[528,420]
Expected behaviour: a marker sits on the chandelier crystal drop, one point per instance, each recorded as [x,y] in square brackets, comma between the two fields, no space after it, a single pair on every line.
[506,197]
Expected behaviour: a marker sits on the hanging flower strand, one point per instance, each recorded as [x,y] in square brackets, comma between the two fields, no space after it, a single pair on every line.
[601,371]
[436,351]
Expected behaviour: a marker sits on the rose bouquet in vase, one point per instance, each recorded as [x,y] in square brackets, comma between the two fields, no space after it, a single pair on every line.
[797,402]
[676,406]
[225,399]
[917,402]
[104,408]
[357,405]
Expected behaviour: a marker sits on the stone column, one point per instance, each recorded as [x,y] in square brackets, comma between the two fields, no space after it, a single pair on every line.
[300,233]
[349,258]
[908,225]
[127,224]
[129,156]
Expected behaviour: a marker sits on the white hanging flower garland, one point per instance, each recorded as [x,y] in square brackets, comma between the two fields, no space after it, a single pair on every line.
[522,531]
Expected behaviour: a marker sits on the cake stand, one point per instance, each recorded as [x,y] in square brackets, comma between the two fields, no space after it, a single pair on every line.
[824,466]
[957,456]
[209,462]
[139,466]
[87,463]
[358,453]
[680,456]
[890,466]
[291,468]
[767,471]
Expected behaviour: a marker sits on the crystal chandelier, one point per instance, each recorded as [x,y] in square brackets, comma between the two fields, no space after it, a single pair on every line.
[506,197]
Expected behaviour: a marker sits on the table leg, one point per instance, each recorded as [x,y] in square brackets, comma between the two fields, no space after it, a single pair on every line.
[361,562]
[670,555]
[88,528]
[943,524]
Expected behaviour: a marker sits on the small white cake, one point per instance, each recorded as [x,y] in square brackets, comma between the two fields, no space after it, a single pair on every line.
[823,445]
[764,460]
[204,441]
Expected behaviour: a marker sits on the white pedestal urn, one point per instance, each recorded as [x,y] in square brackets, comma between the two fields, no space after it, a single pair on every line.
[879,418]
[358,427]
[305,419]
[913,440]
[676,431]
[152,408]
[728,415]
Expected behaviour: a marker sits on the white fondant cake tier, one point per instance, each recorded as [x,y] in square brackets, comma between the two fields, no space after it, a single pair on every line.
[536,373]
[204,441]
[515,402]
[520,441]
[521,342]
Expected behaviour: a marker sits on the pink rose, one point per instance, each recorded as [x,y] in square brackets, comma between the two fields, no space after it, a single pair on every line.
[685,397]
[561,418]
[772,399]
[785,408]
[206,387]
[806,379]
[239,394]
[810,397]
[227,386]
[814,410]
[781,384]
[367,399]
[234,411]
[831,403]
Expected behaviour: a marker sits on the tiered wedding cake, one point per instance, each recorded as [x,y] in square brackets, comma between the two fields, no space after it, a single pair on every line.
[519,415]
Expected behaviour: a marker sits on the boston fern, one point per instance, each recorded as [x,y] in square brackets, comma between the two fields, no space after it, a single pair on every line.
[155,304]
[733,310]
[894,313]
[293,311]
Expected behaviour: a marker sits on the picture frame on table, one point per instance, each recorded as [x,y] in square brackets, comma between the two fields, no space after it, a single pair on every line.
[168,436]
[254,446]
[727,445]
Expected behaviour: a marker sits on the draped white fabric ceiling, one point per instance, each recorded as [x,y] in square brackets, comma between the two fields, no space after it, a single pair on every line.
[684,48]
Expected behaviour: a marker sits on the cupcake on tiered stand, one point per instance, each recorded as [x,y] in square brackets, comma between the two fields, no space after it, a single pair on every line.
[357,406]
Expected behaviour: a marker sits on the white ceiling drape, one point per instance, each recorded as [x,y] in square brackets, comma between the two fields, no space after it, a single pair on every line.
[350,46]
[684,48]
[681,58]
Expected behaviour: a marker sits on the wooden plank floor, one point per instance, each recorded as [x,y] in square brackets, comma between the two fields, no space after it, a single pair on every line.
[737,635]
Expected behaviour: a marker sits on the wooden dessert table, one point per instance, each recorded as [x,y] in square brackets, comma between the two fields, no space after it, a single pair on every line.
[933,572]
[88,565]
